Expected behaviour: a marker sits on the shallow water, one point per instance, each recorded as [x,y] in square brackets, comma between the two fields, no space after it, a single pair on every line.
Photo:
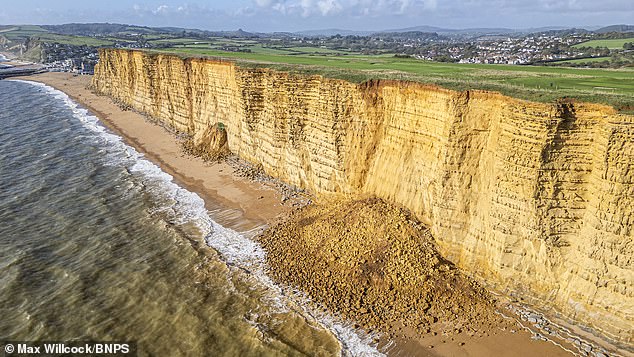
[97,243]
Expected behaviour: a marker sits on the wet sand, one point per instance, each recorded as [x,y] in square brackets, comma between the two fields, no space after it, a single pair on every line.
[244,205]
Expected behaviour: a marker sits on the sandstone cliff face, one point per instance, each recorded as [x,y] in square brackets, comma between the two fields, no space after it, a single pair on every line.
[532,198]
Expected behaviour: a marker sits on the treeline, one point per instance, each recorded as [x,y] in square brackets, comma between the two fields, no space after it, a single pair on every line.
[615,61]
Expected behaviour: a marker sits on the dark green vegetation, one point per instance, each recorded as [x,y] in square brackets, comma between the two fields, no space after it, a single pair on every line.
[616,60]
[536,83]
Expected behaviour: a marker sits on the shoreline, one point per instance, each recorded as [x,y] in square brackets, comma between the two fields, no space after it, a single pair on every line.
[248,206]
[238,203]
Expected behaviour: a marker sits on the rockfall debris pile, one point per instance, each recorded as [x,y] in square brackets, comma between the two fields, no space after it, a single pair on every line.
[372,263]
[291,195]
[210,144]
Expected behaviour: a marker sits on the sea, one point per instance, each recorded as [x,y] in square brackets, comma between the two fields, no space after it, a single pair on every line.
[98,244]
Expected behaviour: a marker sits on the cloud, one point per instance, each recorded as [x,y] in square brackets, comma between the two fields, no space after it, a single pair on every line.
[291,15]
[347,7]
[327,7]
[162,9]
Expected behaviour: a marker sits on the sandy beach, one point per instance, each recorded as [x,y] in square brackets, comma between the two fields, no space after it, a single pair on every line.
[248,206]
[240,204]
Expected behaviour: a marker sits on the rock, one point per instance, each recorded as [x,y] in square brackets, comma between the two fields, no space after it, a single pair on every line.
[541,168]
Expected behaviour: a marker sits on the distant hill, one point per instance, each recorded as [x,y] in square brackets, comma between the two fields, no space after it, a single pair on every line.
[545,29]
[424,31]
[333,32]
[104,29]
[561,32]
[416,29]
[97,29]
[616,28]
[469,31]
[423,28]
[237,33]
[474,32]
[419,35]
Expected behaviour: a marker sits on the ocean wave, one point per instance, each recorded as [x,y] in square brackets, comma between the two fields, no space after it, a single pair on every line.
[184,207]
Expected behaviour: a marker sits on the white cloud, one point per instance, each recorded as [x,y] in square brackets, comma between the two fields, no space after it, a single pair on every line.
[327,7]
[162,9]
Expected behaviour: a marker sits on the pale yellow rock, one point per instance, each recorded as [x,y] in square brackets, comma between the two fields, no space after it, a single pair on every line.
[529,197]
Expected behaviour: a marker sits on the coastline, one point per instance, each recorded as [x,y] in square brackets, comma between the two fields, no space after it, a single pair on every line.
[237,203]
[248,206]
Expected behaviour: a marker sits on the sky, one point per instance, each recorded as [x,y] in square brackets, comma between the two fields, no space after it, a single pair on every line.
[297,15]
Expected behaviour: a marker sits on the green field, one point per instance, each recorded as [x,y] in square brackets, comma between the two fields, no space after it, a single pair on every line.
[611,44]
[179,41]
[17,33]
[252,46]
[537,83]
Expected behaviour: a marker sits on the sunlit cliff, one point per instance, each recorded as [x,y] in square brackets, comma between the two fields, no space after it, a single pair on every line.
[532,198]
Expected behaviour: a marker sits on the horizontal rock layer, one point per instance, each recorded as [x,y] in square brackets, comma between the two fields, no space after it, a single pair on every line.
[532,198]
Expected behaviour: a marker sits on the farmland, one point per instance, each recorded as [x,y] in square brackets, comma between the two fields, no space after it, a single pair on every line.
[14,33]
[611,44]
[537,83]
[353,58]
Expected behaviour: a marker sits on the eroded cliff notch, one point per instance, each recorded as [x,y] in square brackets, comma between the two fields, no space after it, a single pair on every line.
[210,143]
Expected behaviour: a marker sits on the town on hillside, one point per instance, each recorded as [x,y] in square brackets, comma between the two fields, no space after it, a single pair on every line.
[73,47]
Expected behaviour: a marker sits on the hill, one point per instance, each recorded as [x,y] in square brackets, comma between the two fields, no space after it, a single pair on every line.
[616,28]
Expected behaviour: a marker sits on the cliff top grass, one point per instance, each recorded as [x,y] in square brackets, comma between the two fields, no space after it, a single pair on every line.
[534,83]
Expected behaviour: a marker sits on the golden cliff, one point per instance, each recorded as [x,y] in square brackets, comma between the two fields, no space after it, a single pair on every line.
[532,198]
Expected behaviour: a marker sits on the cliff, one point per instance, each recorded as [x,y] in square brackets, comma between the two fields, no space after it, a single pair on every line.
[532,198]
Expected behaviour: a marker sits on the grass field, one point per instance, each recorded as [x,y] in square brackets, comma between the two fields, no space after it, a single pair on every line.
[537,83]
[23,32]
[611,44]
[217,44]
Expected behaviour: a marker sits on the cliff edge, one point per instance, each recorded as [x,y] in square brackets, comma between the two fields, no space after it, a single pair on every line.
[532,198]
